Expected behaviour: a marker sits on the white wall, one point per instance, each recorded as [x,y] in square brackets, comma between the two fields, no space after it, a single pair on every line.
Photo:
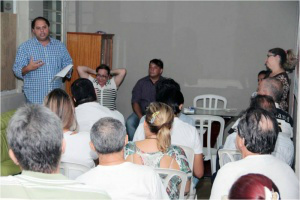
[208,47]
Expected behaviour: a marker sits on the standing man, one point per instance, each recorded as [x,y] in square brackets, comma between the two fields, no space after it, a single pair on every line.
[106,88]
[143,94]
[38,60]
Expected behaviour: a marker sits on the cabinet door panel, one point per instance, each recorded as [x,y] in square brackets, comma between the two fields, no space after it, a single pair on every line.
[86,49]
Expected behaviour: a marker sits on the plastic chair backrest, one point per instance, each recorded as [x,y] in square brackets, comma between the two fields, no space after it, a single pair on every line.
[228,155]
[210,101]
[72,170]
[171,173]
[204,122]
[189,152]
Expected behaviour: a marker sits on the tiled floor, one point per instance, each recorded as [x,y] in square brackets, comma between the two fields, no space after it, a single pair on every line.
[203,188]
[204,185]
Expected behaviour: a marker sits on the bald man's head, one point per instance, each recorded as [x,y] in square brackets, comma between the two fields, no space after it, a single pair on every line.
[271,87]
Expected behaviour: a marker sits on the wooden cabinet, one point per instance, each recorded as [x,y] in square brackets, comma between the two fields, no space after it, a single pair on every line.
[88,49]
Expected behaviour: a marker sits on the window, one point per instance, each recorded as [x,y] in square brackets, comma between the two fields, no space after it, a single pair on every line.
[53,12]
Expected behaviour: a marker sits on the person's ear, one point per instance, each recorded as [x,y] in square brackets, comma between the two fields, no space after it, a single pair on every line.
[74,99]
[13,157]
[126,139]
[161,71]
[145,126]
[240,142]
[63,146]
[92,146]
[180,107]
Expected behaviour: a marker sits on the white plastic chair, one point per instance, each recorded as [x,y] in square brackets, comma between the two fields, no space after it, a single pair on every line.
[204,123]
[189,152]
[228,155]
[72,170]
[171,173]
[210,101]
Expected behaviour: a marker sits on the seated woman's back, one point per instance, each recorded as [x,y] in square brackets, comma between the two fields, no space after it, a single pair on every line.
[156,150]
[77,148]
[139,153]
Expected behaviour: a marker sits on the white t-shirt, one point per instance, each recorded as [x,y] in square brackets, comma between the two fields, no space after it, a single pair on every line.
[78,149]
[279,172]
[126,181]
[89,113]
[284,148]
[181,134]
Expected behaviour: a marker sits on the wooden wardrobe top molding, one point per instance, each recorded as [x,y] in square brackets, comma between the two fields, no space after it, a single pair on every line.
[83,33]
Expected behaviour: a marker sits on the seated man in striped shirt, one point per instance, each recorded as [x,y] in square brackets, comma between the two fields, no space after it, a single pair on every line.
[35,139]
[105,87]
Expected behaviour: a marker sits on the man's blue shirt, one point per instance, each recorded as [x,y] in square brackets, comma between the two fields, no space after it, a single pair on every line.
[37,83]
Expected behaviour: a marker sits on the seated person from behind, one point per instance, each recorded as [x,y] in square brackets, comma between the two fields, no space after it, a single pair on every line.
[88,111]
[261,75]
[256,139]
[254,186]
[77,143]
[122,180]
[181,133]
[106,87]
[143,94]
[284,148]
[156,150]
[36,143]
[274,88]
[168,84]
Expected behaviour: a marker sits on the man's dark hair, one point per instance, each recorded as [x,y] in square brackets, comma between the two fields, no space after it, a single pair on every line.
[102,66]
[172,97]
[166,83]
[83,91]
[259,129]
[39,18]
[168,92]
[157,62]
[264,102]
[264,72]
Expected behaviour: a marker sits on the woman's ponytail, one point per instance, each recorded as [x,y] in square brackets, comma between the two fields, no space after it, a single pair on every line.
[291,61]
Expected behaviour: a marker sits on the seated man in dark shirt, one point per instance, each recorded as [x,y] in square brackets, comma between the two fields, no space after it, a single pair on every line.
[143,94]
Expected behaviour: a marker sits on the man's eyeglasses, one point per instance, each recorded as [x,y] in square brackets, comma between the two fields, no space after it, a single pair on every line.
[101,76]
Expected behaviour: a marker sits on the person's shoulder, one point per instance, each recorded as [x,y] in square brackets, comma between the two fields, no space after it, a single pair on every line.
[282,75]
[8,180]
[130,146]
[281,114]
[55,41]
[184,125]
[176,149]
[146,78]
[29,42]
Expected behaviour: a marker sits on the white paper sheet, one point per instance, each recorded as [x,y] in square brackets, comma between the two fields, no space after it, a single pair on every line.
[62,73]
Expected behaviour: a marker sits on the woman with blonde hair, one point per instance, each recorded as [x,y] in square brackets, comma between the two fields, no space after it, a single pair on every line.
[279,62]
[156,150]
[77,143]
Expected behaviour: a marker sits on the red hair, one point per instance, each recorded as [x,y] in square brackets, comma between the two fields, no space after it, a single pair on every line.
[251,186]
